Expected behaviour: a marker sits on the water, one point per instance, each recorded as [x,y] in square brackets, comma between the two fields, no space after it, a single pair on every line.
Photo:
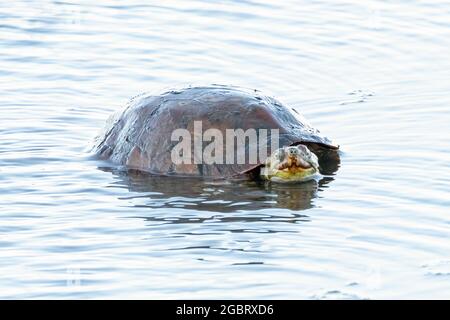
[373,76]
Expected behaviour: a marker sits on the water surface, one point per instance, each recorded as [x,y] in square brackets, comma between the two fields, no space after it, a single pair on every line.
[373,76]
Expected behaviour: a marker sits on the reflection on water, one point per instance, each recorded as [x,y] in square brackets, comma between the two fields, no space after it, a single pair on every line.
[216,195]
[372,75]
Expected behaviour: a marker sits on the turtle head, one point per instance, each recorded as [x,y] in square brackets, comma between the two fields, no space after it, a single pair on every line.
[291,164]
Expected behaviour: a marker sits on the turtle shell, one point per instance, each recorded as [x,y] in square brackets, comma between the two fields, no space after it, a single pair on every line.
[140,137]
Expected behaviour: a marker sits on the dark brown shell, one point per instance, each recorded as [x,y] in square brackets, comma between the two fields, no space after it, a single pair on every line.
[140,136]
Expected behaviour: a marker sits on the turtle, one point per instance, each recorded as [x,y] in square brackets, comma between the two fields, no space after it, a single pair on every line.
[214,131]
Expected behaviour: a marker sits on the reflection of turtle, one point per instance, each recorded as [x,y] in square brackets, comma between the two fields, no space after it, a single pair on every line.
[216,196]
[142,136]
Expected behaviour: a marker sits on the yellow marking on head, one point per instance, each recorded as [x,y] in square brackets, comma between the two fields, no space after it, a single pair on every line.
[294,173]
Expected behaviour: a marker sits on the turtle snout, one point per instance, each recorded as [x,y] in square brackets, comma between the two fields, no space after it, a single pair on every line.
[299,152]
[292,151]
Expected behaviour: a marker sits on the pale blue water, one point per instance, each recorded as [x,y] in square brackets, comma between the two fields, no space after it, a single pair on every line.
[374,76]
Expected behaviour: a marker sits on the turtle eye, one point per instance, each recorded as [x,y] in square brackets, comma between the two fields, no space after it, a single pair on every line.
[303,150]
